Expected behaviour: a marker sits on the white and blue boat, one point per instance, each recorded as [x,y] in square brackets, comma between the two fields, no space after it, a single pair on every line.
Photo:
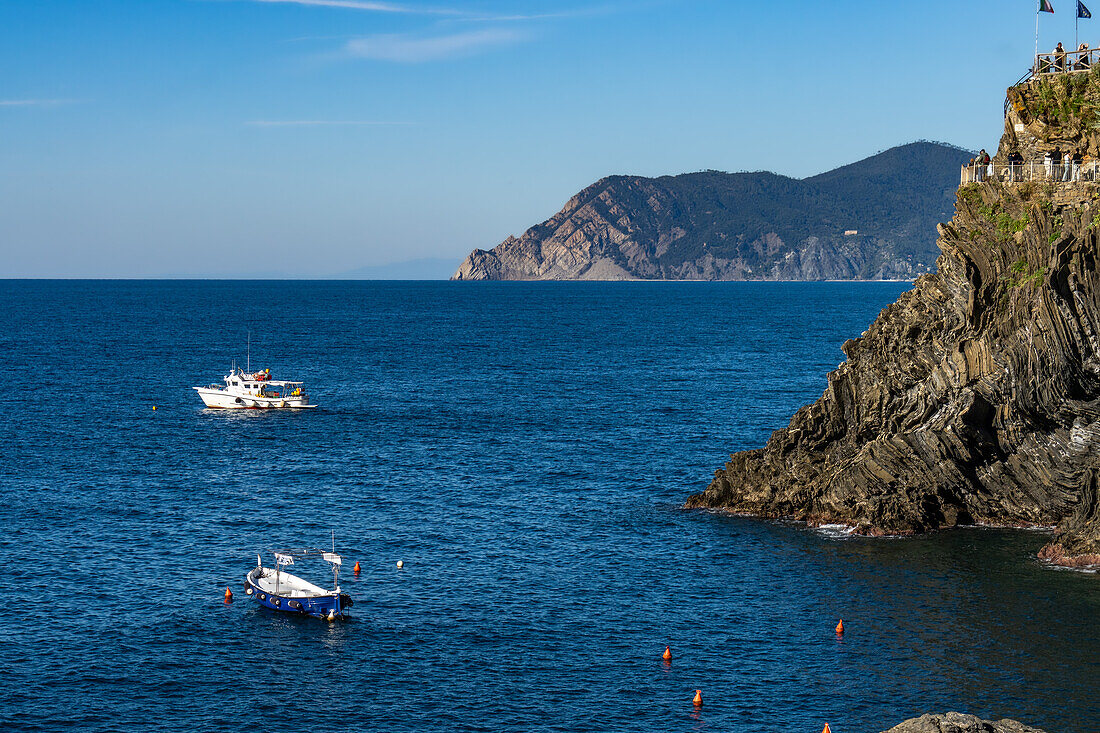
[278,590]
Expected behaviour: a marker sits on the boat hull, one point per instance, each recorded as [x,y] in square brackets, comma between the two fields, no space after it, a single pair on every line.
[222,400]
[331,604]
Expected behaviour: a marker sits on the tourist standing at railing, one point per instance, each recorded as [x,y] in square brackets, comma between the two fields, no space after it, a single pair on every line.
[983,165]
[1048,164]
[1015,167]
[1082,58]
[1060,57]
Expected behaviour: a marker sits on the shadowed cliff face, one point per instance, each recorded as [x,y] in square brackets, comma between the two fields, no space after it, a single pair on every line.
[742,226]
[975,398]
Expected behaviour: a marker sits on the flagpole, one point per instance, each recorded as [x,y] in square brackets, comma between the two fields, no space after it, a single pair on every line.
[1035,58]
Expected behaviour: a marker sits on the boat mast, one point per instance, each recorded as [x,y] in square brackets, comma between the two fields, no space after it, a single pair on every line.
[248,358]
[335,567]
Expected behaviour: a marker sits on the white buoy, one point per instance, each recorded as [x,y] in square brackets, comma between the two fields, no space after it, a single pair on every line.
[400,564]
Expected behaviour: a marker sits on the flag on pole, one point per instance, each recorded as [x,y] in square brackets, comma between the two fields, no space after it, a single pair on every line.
[1045,6]
[1082,11]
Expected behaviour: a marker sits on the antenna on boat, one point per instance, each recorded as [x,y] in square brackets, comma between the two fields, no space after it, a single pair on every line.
[248,363]
[335,566]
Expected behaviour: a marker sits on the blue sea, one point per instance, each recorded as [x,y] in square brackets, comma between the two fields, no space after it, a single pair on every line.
[524,449]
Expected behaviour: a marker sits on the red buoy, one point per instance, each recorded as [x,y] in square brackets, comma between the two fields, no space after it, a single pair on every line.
[356,568]
[839,632]
[667,656]
[228,595]
[698,701]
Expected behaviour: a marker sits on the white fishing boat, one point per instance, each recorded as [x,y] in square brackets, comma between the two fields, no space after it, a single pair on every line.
[249,390]
[245,390]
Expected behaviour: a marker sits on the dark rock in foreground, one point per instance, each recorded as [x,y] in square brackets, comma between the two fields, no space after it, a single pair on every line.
[874,219]
[959,723]
[975,398]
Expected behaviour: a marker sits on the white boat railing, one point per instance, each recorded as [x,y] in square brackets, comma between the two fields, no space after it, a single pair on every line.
[1033,171]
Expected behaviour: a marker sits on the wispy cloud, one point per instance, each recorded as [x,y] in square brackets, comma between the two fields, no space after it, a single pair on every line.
[34,102]
[378,7]
[414,49]
[465,15]
[556,15]
[317,123]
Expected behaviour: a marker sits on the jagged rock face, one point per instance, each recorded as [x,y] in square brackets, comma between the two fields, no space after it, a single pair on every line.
[1053,113]
[975,398]
[959,723]
[745,226]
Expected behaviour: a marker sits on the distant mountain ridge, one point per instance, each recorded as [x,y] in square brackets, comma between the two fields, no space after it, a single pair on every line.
[873,219]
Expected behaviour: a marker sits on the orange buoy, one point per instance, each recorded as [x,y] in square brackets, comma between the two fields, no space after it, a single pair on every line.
[840,628]
[698,701]
[356,568]
[667,656]
[228,595]
[826,730]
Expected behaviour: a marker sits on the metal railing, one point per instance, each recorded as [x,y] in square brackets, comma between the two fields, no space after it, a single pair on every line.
[1068,62]
[1040,171]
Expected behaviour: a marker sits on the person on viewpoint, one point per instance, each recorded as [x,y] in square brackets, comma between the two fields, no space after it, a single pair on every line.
[1015,167]
[1060,57]
[1082,58]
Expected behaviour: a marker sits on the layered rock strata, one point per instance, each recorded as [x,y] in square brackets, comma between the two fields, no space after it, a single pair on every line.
[975,398]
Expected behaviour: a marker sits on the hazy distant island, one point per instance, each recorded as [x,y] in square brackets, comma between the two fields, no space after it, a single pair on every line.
[871,220]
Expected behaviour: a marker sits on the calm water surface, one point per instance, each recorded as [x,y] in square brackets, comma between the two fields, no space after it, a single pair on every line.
[524,449]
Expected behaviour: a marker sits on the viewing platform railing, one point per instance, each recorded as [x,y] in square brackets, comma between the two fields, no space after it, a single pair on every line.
[1022,172]
[1065,63]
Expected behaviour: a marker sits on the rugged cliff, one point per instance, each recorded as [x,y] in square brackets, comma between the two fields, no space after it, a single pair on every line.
[975,398]
[873,219]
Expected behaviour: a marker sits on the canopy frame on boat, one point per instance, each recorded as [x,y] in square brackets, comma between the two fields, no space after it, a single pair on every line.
[288,556]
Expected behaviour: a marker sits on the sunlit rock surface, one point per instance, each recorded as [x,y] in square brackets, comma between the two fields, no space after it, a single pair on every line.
[959,723]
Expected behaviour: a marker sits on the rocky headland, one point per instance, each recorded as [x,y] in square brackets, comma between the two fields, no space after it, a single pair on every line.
[874,219]
[975,398]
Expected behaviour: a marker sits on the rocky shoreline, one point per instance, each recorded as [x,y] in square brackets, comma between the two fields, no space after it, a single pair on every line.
[960,723]
[975,398]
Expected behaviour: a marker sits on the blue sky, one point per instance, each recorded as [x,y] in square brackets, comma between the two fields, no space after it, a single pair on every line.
[312,137]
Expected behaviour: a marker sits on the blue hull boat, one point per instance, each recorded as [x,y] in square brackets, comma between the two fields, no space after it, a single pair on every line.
[280,591]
